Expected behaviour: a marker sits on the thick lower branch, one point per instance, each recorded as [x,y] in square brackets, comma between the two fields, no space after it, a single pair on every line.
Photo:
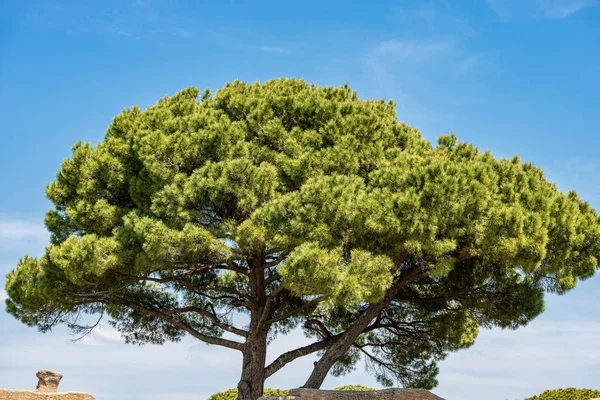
[290,356]
[341,347]
[295,311]
[236,301]
[213,317]
[181,279]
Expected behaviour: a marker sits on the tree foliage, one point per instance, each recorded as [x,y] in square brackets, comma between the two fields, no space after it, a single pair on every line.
[279,205]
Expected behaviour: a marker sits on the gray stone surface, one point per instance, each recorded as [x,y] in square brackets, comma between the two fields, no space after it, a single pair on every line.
[386,394]
[10,394]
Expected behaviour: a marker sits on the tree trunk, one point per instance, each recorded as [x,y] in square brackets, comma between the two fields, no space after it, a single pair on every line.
[254,353]
[341,347]
[253,377]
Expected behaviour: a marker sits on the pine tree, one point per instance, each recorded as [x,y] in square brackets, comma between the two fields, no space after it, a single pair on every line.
[237,217]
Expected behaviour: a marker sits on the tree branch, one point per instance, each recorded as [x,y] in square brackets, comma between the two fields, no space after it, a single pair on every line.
[235,300]
[275,262]
[290,356]
[317,326]
[155,312]
[291,313]
[216,321]
[196,289]
[272,279]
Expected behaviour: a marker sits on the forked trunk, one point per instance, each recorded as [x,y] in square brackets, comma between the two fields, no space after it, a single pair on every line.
[341,347]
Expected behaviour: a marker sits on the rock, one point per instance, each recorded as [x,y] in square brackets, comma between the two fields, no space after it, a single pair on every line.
[48,381]
[279,398]
[386,394]
[10,394]
[46,390]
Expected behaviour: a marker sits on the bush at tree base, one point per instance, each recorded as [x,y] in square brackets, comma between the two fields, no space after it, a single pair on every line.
[231,394]
[567,394]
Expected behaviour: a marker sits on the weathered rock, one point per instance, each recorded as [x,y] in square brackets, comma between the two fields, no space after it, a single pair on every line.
[48,381]
[46,390]
[386,394]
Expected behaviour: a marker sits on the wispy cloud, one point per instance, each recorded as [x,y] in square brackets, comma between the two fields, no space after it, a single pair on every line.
[274,49]
[17,234]
[388,56]
[534,9]
[576,173]
[19,230]
[137,19]
[412,50]
[430,17]
[102,334]
[428,63]
[401,59]
[407,69]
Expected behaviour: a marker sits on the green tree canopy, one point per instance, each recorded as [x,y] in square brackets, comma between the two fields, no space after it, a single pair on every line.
[240,216]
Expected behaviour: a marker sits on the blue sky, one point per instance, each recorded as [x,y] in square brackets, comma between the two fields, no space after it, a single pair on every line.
[512,76]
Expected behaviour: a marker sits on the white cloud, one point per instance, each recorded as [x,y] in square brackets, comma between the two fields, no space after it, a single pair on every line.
[527,9]
[102,334]
[3,295]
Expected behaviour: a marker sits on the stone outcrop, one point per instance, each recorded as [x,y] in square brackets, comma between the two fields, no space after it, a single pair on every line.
[48,381]
[46,390]
[10,394]
[386,394]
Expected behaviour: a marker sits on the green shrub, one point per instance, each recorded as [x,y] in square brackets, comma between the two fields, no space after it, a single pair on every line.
[356,388]
[232,394]
[567,394]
